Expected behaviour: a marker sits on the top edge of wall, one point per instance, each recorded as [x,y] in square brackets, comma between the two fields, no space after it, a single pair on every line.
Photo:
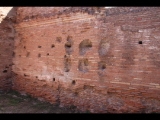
[28,13]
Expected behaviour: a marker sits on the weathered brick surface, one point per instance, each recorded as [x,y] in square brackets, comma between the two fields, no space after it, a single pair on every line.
[7,18]
[101,60]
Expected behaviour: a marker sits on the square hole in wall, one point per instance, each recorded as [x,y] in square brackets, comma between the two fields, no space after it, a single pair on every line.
[13,54]
[73,82]
[52,46]
[4,71]
[140,42]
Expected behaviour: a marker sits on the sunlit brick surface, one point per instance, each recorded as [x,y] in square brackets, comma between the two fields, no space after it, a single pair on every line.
[97,59]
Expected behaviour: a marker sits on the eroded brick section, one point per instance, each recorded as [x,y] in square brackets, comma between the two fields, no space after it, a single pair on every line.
[7,18]
[95,59]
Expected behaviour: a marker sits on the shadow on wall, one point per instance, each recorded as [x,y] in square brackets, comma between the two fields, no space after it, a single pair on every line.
[7,19]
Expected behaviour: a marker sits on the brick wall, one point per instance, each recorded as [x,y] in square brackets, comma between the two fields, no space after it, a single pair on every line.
[7,16]
[101,60]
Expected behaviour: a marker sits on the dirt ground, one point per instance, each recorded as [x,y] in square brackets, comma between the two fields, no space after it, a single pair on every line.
[14,102]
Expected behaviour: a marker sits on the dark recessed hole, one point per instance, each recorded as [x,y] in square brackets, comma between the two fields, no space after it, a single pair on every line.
[140,42]
[4,71]
[25,75]
[28,53]
[24,47]
[73,82]
[101,65]
[84,46]
[13,54]
[52,46]
[53,79]
[36,76]
[68,45]
[47,53]
[39,55]
[39,46]
[85,43]
[19,55]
